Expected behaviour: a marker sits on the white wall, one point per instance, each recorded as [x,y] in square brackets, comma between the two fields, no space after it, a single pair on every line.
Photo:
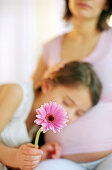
[24,26]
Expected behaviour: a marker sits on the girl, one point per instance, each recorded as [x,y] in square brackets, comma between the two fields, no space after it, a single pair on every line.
[76,87]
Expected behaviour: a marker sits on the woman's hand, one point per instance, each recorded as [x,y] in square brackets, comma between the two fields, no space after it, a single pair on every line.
[51,151]
[28,157]
[54,69]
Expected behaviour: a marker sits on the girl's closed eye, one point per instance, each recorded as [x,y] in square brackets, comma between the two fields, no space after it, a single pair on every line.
[68,102]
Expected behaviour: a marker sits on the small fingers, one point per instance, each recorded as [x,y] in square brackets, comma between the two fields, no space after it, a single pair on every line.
[31,145]
[26,167]
[31,158]
[30,150]
[57,152]
[31,163]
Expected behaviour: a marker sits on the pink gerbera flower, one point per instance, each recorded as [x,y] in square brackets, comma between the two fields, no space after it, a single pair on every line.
[51,116]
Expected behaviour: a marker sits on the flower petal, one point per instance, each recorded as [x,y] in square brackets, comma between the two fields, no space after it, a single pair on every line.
[53,110]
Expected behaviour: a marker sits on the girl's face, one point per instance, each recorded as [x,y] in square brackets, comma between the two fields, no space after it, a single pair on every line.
[75,100]
[87,9]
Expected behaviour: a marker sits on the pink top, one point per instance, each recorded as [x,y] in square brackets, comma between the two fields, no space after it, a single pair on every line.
[91,132]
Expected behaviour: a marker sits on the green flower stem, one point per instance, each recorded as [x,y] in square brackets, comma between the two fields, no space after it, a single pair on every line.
[37,137]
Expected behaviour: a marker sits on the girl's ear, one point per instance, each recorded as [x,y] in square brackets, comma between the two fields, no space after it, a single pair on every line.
[47,85]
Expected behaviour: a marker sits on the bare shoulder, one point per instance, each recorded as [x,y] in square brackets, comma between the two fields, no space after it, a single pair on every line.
[12,90]
[10,99]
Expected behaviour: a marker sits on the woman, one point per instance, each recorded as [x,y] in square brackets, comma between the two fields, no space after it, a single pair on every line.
[89,36]
[90,40]
[70,86]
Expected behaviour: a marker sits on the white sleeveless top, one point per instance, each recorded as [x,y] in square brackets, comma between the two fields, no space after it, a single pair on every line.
[15,133]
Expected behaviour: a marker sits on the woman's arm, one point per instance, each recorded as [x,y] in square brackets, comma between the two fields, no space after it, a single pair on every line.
[39,72]
[87,157]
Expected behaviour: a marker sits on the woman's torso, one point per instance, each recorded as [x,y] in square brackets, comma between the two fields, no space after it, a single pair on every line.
[91,133]
[70,47]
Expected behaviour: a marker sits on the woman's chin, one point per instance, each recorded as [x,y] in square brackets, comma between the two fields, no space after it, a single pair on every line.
[83,15]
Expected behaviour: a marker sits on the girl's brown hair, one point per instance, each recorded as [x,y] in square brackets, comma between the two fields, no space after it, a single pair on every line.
[78,73]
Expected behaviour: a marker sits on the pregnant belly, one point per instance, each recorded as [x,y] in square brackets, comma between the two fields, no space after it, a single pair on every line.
[87,157]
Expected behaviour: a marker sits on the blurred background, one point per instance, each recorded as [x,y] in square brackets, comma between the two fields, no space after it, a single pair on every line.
[25,25]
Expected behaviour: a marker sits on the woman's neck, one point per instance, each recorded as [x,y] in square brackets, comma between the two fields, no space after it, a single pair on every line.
[85,28]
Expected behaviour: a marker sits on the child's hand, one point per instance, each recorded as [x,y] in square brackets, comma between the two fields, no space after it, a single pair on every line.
[51,151]
[28,157]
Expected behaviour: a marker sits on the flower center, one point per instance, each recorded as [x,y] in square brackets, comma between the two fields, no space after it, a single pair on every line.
[50,117]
